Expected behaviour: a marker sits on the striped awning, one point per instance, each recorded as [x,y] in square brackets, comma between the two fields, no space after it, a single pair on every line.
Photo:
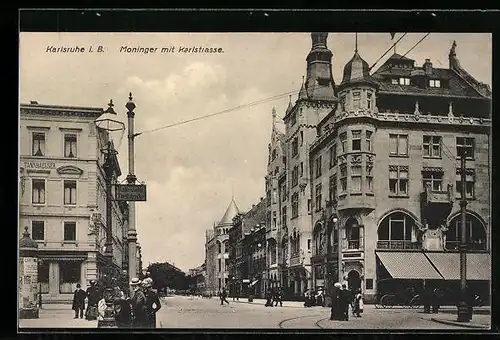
[448,264]
[408,265]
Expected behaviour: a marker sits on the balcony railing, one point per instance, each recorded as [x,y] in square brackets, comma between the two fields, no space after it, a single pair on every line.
[295,261]
[399,245]
[453,245]
[353,244]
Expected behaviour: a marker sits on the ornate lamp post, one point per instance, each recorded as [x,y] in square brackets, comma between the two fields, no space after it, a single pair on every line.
[462,312]
[331,220]
[108,122]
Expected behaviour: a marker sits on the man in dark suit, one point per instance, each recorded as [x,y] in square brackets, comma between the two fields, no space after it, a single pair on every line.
[79,301]
[152,301]
[139,306]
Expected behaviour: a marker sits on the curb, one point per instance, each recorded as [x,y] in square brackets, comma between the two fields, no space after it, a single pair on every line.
[461,324]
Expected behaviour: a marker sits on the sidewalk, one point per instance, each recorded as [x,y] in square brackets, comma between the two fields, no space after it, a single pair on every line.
[478,321]
[57,318]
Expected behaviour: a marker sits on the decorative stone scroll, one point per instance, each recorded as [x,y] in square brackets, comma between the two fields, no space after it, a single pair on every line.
[369,160]
[355,159]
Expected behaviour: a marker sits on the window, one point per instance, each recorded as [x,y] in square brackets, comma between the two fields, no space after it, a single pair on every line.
[283,193]
[343,178]
[293,119]
[333,155]
[333,188]
[434,83]
[38,147]
[295,176]
[220,265]
[69,231]
[465,144]
[301,169]
[369,178]
[369,283]
[318,167]
[469,183]
[38,191]
[369,101]
[342,103]
[398,145]
[301,137]
[369,140]
[275,196]
[434,179]
[394,81]
[356,140]
[432,146]
[309,205]
[283,217]
[343,140]
[356,96]
[398,180]
[352,233]
[38,230]
[308,244]
[69,276]
[273,155]
[475,233]
[356,178]
[295,205]
[318,198]
[69,192]
[70,145]
[220,283]
[397,227]
[295,146]
[404,81]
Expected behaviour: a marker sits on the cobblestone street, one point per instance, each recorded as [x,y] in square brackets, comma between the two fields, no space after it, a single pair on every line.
[195,312]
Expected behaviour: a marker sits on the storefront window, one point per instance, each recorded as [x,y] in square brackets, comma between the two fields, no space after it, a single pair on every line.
[69,276]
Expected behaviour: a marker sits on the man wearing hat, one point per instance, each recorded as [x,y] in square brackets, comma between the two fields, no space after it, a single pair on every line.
[138,303]
[93,299]
[79,301]
[336,312]
[152,301]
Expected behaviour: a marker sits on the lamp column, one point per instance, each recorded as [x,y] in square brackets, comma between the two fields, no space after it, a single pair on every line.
[131,179]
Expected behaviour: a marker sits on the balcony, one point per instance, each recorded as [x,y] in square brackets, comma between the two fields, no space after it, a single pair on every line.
[353,244]
[474,246]
[295,261]
[437,204]
[399,245]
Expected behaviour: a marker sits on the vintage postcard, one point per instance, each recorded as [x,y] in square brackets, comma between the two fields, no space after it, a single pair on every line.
[314,180]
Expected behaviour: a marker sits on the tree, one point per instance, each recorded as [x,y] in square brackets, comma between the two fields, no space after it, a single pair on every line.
[165,275]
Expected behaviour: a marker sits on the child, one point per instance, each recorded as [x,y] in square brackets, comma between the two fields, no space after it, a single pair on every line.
[358,303]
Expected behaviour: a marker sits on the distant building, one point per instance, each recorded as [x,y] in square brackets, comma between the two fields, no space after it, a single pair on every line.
[197,279]
[217,250]
[62,197]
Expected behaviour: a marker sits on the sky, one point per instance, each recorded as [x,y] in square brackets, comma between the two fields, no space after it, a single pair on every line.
[192,170]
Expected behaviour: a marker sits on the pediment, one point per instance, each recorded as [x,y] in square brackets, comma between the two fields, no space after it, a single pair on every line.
[69,170]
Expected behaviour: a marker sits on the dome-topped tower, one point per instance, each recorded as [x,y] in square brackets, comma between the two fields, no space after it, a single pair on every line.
[358,88]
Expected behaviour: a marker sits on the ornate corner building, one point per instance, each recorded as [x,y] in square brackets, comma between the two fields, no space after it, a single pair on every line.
[62,197]
[380,153]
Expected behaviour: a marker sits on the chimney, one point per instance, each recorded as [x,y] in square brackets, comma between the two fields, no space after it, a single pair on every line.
[261,198]
[428,67]
[33,102]
[253,206]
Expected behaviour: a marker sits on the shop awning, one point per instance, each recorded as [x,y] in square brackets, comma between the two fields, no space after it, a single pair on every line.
[448,264]
[254,282]
[408,265]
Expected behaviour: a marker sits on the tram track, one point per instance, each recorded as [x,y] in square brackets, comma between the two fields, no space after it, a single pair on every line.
[316,323]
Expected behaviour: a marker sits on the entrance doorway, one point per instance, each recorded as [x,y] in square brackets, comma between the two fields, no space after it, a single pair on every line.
[353,280]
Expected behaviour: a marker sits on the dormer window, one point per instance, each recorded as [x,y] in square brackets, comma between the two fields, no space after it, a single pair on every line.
[434,83]
[356,96]
[394,81]
[404,81]
[369,101]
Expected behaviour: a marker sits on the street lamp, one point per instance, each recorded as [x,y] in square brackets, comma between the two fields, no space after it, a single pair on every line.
[109,123]
[330,219]
[463,307]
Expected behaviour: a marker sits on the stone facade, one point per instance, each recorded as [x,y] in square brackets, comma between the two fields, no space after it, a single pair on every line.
[62,196]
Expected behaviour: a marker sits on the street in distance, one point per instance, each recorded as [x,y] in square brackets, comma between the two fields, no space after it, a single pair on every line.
[172,49]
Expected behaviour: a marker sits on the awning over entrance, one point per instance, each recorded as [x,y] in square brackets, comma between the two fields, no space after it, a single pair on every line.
[448,264]
[408,265]
[253,283]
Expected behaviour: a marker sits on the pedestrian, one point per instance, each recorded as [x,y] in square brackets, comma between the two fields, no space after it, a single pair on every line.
[335,308]
[344,302]
[79,301]
[152,301]
[279,297]
[123,312]
[93,300]
[224,296]
[269,299]
[138,304]
[358,303]
[101,309]
[436,296]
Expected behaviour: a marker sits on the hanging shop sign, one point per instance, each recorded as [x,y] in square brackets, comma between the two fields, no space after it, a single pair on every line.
[130,192]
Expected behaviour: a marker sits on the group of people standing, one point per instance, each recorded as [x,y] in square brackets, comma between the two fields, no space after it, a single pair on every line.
[137,311]
[274,296]
[342,298]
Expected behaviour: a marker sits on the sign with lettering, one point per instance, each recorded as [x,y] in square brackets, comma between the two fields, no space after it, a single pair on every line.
[130,192]
[40,165]
[28,279]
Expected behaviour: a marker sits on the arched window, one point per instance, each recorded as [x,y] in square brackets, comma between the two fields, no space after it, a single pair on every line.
[272,251]
[352,233]
[317,239]
[284,248]
[219,247]
[476,233]
[226,246]
[397,231]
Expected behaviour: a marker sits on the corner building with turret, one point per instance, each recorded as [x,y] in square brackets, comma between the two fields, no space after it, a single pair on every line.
[373,167]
